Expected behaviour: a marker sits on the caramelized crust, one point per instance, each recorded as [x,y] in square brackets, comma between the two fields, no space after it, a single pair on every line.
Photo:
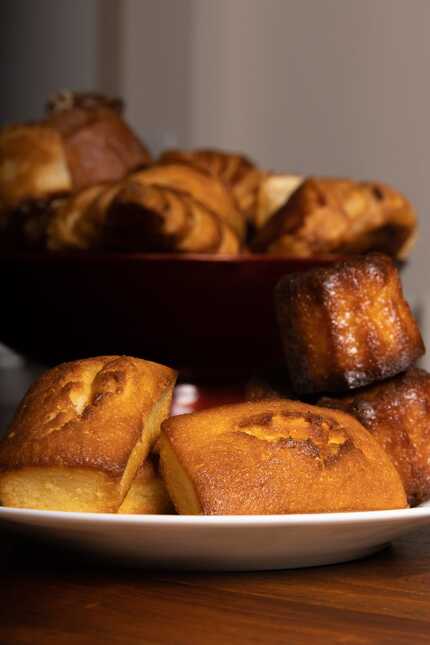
[346,325]
[397,413]
[99,145]
[203,187]
[235,170]
[99,416]
[159,218]
[147,494]
[33,166]
[335,216]
[275,457]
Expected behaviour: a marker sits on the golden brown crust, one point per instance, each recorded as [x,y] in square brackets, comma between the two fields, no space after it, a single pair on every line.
[99,145]
[339,216]
[85,414]
[396,412]
[346,325]
[274,191]
[276,457]
[148,494]
[235,170]
[203,187]
[33,166]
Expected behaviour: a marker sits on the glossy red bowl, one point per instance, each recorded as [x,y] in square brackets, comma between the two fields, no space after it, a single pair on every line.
[200,312]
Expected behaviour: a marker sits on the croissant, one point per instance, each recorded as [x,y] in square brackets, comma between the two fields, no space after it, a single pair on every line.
[336,216]
[235,170]
[346,325]
[396,412]
[274,191]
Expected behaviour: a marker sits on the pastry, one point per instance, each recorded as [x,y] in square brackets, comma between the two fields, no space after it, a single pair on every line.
[81,433]
[346,325]
[147,494]
[235,170]
[396,412]
[274,457]
[274,191]
[340,217]
[145,217]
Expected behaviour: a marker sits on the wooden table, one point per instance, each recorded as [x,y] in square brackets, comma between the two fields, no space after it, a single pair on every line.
[52,598]
[58,598]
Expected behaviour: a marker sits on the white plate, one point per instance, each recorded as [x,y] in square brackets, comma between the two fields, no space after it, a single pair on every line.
[221,542]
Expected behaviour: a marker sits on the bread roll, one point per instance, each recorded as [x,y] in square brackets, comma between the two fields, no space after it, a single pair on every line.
[275,457]
[346,325]
[397,413]
[81,433]
[147,494]
[340,217]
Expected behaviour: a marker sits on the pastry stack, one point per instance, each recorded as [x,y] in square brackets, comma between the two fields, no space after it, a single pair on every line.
[81,180]
[95,435]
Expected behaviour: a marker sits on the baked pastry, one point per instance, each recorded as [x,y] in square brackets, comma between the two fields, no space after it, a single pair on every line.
[98,144]
[346,325]
[235,170]
[145,217]
[81,433]
[274,191]
[83,141]
[201,186]
[337,217]
[396,412]
[77,222]
[275,457]
[147,494]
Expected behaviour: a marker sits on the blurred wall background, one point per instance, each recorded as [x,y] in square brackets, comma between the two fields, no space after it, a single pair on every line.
[318,86]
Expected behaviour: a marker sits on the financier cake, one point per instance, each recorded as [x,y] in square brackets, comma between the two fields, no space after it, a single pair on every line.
[396,412]
[275,457]
[346,325]
[81,433]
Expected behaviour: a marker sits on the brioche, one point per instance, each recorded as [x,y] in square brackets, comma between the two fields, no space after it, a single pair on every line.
[336,217]
[274,457]
[235,170]
[274,191]
[346,325]
[98,144]
[81,433]
[147,494]
[396,412]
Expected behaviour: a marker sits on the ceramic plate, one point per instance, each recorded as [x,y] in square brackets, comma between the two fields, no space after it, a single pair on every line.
[224,543]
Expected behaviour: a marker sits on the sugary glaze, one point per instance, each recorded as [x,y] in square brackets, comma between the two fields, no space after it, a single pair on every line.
[346,325]
[275,457]
[397,413]
[340,216]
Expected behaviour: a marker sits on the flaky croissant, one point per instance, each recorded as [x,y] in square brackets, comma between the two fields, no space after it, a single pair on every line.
[235,170]
[167,208]
[337,216]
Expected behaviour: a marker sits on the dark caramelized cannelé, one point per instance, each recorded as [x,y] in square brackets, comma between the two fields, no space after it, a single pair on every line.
[346,325]
[397,413]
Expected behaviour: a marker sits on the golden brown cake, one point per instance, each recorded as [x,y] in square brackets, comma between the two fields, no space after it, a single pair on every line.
[340,217]
[275,457]
[235,170]
[147,494]
[81,433]
[397,413]
[346,325]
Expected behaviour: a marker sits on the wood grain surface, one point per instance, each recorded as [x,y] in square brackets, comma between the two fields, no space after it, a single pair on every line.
[53,597]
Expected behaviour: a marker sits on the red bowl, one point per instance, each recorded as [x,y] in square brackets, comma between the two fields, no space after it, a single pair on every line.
[196,311]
